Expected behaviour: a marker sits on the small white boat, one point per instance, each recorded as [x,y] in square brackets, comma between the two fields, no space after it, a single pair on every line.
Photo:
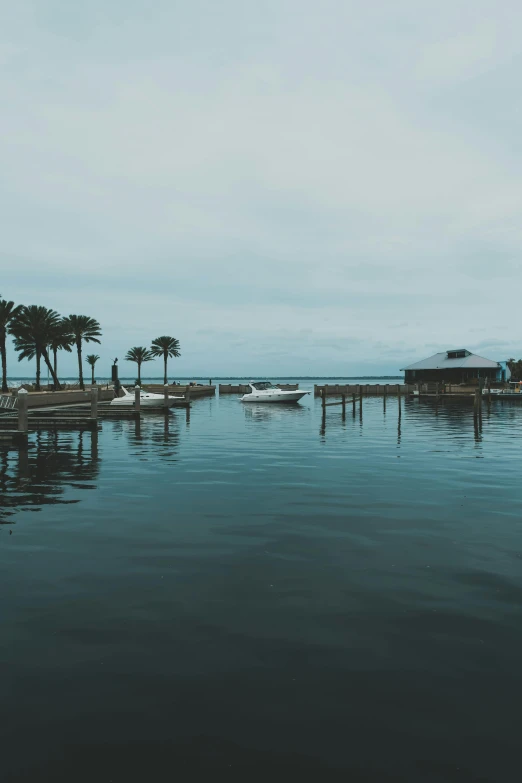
[147,400]
[513,391]
[263,391]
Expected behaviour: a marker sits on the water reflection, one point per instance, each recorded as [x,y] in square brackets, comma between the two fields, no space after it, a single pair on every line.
[42,471]
[268,413]
[157,430]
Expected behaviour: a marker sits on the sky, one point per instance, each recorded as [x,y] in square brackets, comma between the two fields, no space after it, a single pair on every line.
[288,187]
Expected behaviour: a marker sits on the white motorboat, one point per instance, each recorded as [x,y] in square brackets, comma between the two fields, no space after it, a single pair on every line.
[513,391]
[147,400]
[263,391]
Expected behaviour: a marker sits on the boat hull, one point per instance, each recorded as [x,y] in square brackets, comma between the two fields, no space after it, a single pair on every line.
[147,400]
[290,396]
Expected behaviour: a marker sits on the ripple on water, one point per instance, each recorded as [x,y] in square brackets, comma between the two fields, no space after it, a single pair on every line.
[338,593]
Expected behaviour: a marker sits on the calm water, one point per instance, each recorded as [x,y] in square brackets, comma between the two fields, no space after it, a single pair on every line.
[250,590]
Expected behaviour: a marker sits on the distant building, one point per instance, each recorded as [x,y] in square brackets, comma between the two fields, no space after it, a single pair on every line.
[456,366]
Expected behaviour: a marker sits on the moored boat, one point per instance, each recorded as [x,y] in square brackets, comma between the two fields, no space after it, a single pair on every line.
[264,391]
[513,391]
[147,400]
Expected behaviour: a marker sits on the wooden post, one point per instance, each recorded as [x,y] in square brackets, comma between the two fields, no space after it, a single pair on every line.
[22,411]
[476,402]
[385,390]
[354,401]
[399,391]
[323,398]
[343,398]
[137,399]
[94,402]
[187,396]
[166,395]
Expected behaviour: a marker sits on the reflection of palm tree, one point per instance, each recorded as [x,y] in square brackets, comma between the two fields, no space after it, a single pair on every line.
[139,355]
[57,462]
[9,312]
[165,346]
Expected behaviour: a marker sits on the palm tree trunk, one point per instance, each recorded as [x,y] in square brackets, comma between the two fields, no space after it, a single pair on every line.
[55,360]
[92,378]
[56,382]
[37,384]
[80,370]
[4,362]
[139,373]
[165,379]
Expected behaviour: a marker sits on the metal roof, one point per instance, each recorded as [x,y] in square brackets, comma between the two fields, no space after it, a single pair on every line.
[440,361]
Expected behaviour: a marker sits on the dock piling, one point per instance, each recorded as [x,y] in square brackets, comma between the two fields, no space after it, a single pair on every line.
[137,400]
[23,424]
[343,398]
[166,395]
[94,402]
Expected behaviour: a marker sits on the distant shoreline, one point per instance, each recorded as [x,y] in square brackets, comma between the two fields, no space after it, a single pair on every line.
[233,377]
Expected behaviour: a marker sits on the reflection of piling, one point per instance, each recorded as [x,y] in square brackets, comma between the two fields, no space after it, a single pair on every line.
[94,445]
[137,398]
[24,471]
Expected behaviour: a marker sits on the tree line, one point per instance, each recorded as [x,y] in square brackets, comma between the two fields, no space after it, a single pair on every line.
[516,368]
[39,333]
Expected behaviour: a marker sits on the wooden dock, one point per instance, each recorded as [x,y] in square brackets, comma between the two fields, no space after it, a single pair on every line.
[195,390]
[364,389]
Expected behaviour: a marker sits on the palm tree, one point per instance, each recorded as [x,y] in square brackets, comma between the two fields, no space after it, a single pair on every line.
[61,340]
[83,329]
[139,355]
[9,312]
[33,330]
[92,359]
[165,346]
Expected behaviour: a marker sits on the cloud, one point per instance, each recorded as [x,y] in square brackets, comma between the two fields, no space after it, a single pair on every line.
[243,171]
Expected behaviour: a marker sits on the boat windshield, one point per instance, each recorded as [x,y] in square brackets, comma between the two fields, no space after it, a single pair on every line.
[263,385]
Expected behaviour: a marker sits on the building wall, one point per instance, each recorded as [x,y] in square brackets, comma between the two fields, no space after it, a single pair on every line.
[450,375]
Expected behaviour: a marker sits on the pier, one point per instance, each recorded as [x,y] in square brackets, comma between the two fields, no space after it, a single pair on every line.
[364,389]
[19,413]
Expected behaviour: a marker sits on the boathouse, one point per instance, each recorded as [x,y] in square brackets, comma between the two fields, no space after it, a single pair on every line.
[456,366]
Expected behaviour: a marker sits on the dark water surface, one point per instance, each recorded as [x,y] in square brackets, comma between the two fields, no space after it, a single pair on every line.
[251,590]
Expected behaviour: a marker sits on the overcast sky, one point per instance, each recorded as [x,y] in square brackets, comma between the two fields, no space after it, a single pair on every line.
[286,186]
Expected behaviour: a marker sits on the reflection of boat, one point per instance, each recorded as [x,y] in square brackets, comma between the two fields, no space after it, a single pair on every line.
[263,391]
[147,400]
[513,391]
